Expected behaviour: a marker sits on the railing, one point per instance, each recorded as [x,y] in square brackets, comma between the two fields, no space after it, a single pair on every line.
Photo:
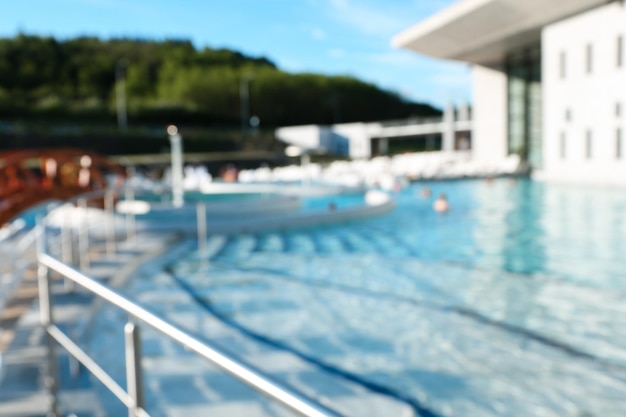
[133,397]
[15,248]
[411,121]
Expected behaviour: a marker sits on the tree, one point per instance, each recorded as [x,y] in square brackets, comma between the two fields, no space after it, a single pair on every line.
[77,77]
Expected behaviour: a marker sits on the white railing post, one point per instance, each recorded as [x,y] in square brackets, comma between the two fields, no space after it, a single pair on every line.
[134,380]
[15,269]
[67,244]
[110,222]
[129,196]
[202,228]
[83,236]
[47,319]
[66,237]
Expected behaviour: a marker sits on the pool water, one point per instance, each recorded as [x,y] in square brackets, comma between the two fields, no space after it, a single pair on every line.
[510,304]
[196,196]
[323,203]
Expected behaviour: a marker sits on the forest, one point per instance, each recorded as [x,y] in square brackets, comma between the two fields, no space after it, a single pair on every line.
[75,79]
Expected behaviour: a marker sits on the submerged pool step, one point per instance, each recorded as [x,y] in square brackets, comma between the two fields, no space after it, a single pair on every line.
[180,384]
[317,241]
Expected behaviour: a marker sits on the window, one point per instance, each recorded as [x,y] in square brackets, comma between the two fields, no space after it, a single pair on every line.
[563,145]
[588,144]
[524,103]
[562,65]
[620,51]
[618,143]
[589,56]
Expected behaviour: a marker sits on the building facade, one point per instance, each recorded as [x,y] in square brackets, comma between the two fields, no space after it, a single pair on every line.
[360,140]
[549,81]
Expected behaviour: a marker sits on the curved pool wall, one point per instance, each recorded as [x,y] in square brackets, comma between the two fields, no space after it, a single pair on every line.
[256,212]
[245,205]
[510,304]
[298,189]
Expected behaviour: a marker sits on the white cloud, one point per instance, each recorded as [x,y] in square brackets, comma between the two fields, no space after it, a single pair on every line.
[318,34]
[340,4]
[337,53]
[365,18]
[381,18]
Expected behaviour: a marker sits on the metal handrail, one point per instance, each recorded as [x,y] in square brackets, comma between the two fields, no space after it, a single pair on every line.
[133,397]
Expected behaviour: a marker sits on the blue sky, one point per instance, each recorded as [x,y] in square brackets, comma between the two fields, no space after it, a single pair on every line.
[350,37]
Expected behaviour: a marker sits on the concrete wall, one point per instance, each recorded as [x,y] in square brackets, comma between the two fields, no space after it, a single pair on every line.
[359,137]
[489,136]
[347,139]
[355,139]
[579,102]
[307,137]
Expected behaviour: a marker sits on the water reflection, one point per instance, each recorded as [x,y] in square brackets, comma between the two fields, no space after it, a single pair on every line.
[566,232]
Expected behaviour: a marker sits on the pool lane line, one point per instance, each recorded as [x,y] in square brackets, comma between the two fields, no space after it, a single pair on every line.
[420,409]
[462,311]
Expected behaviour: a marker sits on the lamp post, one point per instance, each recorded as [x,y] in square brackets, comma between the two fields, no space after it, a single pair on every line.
[176,142]
[244,98]
[120,94]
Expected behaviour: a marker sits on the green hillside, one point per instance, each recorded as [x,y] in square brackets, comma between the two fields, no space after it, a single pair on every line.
[167,81]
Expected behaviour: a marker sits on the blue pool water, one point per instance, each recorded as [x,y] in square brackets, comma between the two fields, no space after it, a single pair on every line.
[196,196]
[511,304]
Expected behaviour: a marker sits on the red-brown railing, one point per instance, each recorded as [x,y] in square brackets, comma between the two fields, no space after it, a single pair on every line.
[29,177]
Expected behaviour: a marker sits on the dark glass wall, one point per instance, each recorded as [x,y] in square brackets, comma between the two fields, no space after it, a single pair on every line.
[525,104]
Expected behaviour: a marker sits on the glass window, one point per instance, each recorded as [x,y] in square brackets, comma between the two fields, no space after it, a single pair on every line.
[525,104]
[517,74]
[563,144]
[589,57]
[588,144]
[618,143]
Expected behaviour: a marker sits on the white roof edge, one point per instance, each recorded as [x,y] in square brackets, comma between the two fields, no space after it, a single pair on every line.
[437,20]
[484,31]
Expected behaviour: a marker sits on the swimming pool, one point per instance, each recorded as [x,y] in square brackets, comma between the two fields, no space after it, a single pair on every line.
[510,304]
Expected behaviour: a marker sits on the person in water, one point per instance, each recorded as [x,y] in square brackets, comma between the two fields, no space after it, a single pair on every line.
[441,204]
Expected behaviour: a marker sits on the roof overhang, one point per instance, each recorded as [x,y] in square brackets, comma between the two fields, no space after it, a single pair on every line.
[483,31]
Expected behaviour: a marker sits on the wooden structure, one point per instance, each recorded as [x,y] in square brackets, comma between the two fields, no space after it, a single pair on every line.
[29,177]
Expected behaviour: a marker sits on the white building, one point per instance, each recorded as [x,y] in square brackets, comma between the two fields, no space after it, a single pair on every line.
[549,80]
[360,140]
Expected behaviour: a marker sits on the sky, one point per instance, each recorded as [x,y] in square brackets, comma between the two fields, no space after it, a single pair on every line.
[333,37]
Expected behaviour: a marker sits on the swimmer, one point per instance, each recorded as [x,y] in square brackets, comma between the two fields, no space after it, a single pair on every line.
[425,192]
[441,204]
